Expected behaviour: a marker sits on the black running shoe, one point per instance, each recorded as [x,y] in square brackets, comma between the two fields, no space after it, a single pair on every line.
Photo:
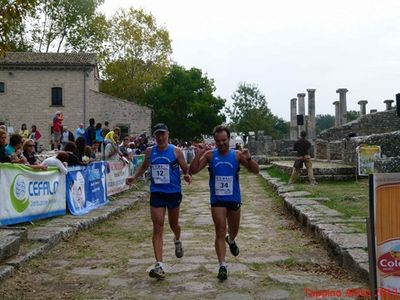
[178,249]
[222,273]
[232,246]
[157,272]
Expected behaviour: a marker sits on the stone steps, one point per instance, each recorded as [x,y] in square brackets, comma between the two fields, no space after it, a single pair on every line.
[11,239]
[333,172]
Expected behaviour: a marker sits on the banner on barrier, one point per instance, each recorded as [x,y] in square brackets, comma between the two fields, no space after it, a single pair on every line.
[27,195]
[119,171]
[86,187]
[367,155]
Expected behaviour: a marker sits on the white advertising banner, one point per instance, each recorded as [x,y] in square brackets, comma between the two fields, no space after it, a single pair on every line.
[27,194]
[115,178]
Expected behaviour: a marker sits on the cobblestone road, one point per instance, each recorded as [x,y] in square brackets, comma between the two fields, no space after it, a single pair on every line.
[111,261]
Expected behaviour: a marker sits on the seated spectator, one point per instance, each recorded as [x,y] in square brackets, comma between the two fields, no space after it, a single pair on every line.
[95,149]
[80,146]
[87,155]
[14,149]
[111,151]
[124,147]
[72,151]
[29,152]
[59,161]
[24,133]
[3,156]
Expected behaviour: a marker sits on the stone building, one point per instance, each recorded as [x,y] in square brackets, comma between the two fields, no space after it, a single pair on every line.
[33,86]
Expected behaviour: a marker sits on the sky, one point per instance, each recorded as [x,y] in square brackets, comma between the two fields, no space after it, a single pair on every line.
[285,47]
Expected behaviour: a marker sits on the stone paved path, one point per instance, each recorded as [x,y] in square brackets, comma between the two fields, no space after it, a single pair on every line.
[111,261]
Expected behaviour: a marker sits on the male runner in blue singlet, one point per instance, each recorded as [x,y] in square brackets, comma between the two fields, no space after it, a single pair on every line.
[224,164]
[165,191]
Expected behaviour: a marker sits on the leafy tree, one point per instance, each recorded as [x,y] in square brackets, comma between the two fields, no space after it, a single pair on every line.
[55,22]
[184,100]
[249,111]
[323,122]
[281,127]
[352,115]
[12,14]
[139,55]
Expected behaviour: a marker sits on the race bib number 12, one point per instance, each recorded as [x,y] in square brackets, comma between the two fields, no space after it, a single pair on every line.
[160,173]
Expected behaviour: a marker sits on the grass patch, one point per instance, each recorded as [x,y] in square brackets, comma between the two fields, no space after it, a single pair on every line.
[347,197]
[274,171]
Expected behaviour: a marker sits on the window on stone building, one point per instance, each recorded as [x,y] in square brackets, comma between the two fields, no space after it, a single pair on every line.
[2,87]
[56,96]
[124,130]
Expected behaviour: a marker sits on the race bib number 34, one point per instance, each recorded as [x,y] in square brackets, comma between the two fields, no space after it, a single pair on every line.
[223,185]
[160,173]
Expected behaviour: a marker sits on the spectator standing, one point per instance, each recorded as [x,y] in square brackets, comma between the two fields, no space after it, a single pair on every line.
[111,151]
[3,156]
[57,129]
[35,136]
[105,129]
[90,133]
[80,131]
[24,132]
[99,136]
[302,146]
[67,136]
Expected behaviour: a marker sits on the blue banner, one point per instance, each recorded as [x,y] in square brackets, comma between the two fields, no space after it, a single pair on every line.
[86,187]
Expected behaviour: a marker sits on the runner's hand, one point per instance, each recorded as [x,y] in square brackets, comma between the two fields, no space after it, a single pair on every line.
[130,180]
[188,178]
[245,154]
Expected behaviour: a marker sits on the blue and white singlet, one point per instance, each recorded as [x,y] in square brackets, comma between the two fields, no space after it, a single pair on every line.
[165,173]
[224,177]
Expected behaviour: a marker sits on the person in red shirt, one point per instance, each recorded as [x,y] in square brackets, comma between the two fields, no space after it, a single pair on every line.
[57,128]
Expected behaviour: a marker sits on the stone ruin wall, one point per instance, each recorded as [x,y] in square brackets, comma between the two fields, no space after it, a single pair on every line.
[344,149]
[264,145]
[379,122]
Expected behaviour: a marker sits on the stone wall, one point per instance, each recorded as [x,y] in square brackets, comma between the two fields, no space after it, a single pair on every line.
[321,149]
[374,123]
[264,145]
[389,142]
[27,99]
[120,113]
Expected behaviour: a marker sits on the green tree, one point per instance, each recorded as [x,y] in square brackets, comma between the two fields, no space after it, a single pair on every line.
[12,28]
[250,112]
[352,115]
[139,55]
[55,23]
[323,122]
[184,100]
[281,128]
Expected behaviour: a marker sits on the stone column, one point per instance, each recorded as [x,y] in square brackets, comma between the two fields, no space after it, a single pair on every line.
[293,119]
[388,104]
[302,109]
[342,105]
[337,113]
[363,106]
[311,114]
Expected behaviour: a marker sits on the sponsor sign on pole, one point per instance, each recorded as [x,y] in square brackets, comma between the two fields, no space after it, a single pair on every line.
[385,230]
[27,194]
[86,187]
[367,155]
[116,177]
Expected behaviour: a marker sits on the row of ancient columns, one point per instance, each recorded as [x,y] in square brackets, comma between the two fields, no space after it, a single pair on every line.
[295,111]
[341,107]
